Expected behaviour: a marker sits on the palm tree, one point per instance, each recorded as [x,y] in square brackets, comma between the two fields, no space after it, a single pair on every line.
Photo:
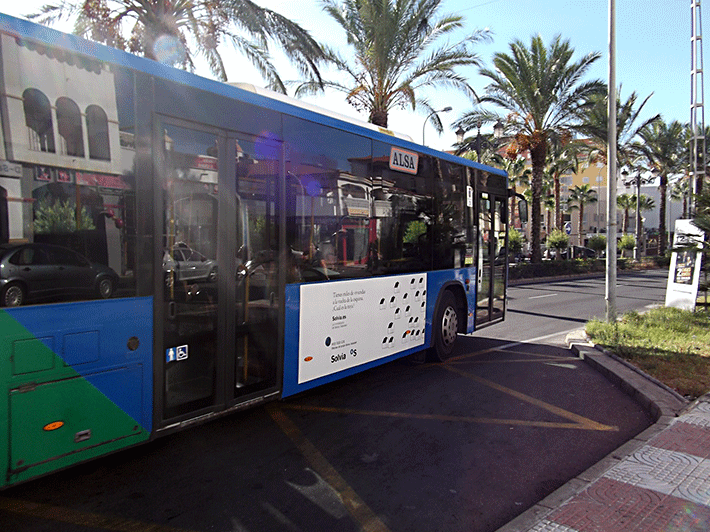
[625,202]
[518,175]
[595,128]
[562,159]
[646,203]
[680,191]
[663,150]
[394,55]
[541,95]
[157,26]
[580,196]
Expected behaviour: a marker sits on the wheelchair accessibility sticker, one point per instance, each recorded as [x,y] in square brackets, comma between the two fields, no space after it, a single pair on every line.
[178,353]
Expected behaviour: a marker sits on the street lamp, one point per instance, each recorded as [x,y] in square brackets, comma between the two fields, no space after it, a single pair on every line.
[459,135]
[444,110]
[497,133]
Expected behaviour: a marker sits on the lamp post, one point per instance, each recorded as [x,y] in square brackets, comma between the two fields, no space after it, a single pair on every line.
[444,110]
[497,133]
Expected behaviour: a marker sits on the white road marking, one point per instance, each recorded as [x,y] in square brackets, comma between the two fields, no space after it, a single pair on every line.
[540,297]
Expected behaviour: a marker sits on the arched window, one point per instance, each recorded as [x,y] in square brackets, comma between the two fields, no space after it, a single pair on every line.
[97,130]
[38,119]
[69,125]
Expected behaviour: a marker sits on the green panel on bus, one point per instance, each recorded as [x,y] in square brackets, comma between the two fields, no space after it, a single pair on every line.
[53,416]
[62,418]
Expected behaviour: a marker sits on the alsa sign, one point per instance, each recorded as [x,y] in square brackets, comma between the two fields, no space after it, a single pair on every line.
[404,161]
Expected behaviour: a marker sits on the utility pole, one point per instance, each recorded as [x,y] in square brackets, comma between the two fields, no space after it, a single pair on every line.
[697,108]
[611,175]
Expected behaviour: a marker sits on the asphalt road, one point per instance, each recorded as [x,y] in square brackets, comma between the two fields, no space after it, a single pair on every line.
[465,445]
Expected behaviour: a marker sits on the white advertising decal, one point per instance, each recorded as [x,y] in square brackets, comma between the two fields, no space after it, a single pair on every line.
[345,324]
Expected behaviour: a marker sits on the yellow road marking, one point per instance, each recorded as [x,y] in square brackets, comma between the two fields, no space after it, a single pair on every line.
[369,522]
[544,360]
[77,517]
[442,417]
[584,422]
[502,350]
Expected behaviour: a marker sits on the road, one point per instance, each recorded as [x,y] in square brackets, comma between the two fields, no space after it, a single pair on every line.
[549,308]
[461,446]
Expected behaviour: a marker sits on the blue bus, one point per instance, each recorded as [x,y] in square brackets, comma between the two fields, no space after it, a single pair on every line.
[173,248]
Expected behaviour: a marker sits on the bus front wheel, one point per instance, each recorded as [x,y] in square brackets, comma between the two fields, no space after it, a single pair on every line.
[445,328]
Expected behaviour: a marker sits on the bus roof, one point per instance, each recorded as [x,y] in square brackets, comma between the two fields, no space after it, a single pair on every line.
[247,93]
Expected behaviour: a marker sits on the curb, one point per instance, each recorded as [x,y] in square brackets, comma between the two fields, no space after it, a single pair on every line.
[663,403]
[574,277]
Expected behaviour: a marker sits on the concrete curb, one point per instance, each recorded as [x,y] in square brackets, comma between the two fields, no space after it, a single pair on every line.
[574,277]
[663,403]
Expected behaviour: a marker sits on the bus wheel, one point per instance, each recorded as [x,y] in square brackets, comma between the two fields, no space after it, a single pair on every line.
[445,328]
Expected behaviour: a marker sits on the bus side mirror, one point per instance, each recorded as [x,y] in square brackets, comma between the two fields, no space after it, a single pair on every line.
[522,208]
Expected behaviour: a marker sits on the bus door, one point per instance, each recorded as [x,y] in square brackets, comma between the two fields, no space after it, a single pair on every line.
[190,271]
[492,258]
[258,266]
[220,271]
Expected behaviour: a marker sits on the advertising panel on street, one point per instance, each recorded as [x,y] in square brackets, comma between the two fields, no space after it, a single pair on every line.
[684,273]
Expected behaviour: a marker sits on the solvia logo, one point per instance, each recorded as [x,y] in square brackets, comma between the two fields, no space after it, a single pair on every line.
[404,161]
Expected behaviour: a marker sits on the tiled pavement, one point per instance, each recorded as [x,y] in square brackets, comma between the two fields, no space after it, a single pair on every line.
[659,481]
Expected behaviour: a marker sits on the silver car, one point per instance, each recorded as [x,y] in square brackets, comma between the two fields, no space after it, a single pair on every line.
[188,264]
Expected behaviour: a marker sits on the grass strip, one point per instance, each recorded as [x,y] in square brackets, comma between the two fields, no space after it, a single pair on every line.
[669,344]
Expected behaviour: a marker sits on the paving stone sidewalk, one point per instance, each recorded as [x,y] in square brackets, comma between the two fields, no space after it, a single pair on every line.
[660,480]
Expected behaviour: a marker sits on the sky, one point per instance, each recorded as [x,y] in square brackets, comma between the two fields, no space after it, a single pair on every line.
[652,51]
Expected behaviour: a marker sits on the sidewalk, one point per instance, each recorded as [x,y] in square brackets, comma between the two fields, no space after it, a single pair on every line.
[660,480]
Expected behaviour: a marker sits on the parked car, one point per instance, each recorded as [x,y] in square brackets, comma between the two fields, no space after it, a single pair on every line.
[33,272]
[188,264]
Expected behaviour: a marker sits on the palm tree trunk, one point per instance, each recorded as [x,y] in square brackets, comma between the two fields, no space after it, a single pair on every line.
[580,223]
[378,117]
[558,207]
[537,156]
[662,213]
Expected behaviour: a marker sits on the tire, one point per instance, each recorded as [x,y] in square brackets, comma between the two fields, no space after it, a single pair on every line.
[444,328]
[13,295]
[105,287]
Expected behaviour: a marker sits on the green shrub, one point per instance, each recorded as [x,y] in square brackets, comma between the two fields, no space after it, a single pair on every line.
[597,243]
[627,243]
[515,242]
[558,240]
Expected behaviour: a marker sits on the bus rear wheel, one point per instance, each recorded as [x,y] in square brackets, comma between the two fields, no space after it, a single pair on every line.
[445,328]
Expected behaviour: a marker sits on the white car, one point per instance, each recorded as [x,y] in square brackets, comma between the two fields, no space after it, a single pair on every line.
[189,265]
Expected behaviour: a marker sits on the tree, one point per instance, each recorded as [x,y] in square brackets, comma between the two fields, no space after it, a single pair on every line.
[394,55]
[680,191]
[540,91]
[518,175]
[164,30]
[596,122]
[558,240]
[663,149]
[562,159]
[626,202]
[626,243]
[580,196]
[61,217]
[597,243]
